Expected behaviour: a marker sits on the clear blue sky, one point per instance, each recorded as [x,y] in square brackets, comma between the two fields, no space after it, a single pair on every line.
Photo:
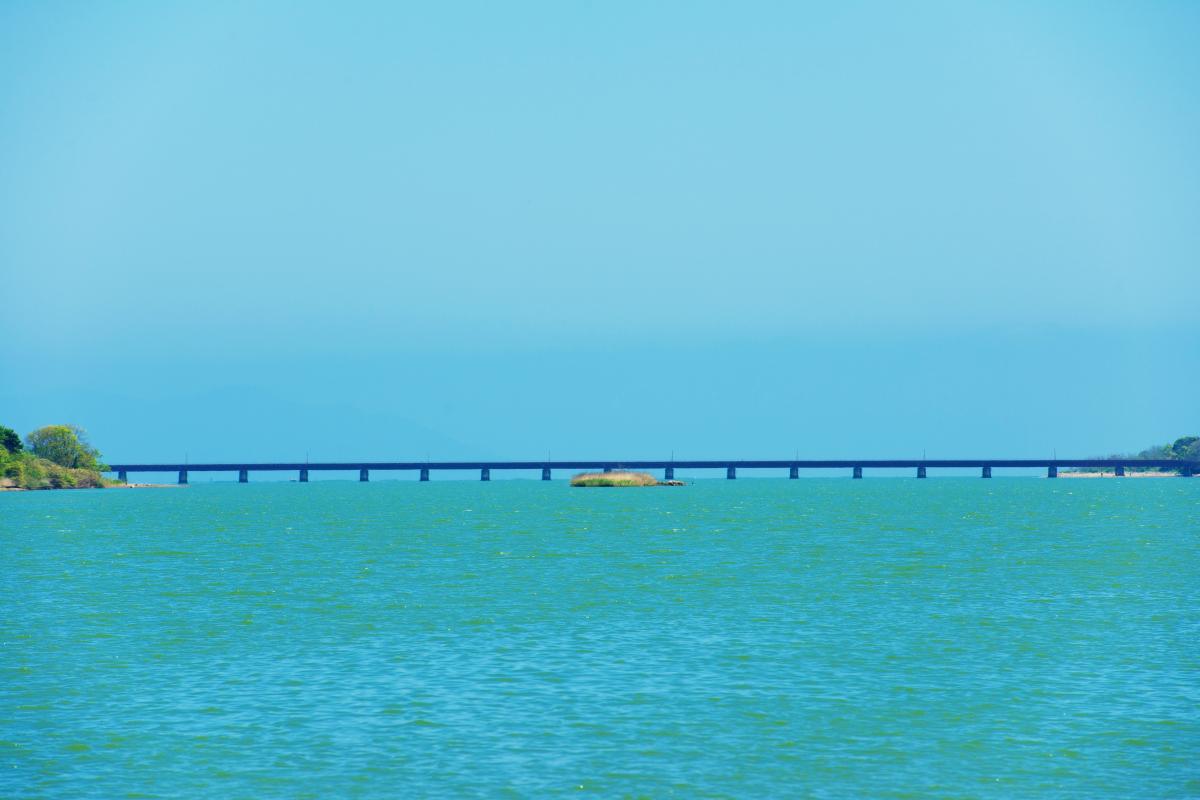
[256,230]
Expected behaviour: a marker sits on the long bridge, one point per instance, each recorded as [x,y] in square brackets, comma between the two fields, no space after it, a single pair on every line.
[485,468]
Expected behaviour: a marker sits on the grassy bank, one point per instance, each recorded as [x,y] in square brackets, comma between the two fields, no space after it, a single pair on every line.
[27,471]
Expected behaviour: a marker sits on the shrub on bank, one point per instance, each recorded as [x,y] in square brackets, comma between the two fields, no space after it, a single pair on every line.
[25,471]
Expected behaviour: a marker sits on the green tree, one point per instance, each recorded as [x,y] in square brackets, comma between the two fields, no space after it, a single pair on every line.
[1187,448]
[65,445]
[9,440]
[1157,451]
[1184,445]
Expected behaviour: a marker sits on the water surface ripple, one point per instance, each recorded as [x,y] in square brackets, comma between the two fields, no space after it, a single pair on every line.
[812,638]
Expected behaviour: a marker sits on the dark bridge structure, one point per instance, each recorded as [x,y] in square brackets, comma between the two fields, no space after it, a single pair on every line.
[485,468]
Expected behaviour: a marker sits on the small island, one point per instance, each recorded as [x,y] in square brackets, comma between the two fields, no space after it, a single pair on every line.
[620,479]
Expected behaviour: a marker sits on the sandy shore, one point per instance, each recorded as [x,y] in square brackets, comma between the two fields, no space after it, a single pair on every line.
[147,486]
[111,486]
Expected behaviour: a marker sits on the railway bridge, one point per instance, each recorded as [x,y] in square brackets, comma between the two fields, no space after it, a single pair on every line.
[855,467]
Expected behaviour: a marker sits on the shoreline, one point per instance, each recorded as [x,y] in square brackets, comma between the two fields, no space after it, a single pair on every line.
[85,488]
[147,486]
[1115,475]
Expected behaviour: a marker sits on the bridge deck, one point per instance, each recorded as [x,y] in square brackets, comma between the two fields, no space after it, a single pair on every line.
[843,463]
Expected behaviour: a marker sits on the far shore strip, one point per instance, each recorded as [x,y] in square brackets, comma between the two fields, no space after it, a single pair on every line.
[1128,474]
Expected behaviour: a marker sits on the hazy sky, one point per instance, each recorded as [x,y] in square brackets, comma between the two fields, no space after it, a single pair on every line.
[255,230]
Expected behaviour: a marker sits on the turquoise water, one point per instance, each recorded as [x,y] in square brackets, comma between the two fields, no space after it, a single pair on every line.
[821,638]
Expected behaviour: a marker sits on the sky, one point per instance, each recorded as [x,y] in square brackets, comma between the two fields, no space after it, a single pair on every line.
[255,230]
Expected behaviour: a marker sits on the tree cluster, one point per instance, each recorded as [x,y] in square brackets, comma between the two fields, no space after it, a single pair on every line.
[1185,448]
[53,457]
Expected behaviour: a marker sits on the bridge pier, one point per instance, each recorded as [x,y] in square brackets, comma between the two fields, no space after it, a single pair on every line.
[920,472]
[364,475]
[243,476]
[485,474]
[987,472]
[304,476]
[545,473]
[1051,471]
[425,474]
[1119,471]
[730,473]
[182,477]
[857,472]
[669,474]
[121,477]
[793,472]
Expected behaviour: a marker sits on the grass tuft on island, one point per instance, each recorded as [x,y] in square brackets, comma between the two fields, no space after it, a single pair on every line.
[620,479]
